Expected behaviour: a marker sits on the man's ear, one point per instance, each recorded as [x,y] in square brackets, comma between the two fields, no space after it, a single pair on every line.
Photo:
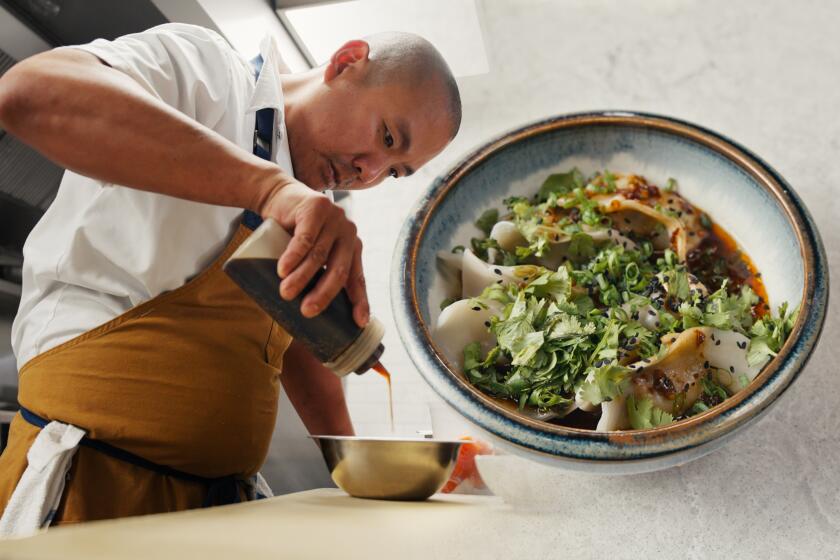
[351,52]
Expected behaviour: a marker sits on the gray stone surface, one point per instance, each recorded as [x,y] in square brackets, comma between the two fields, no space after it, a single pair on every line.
[766,74]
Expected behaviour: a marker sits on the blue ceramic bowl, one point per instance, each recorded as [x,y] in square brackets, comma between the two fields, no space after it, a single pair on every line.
[741,192]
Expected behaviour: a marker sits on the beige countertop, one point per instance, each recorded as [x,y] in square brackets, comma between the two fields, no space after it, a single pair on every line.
[323,523]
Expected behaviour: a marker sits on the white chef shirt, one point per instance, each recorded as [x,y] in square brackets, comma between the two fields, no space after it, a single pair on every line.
[101,248]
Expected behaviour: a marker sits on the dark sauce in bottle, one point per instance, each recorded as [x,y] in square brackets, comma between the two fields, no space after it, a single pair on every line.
[327,335]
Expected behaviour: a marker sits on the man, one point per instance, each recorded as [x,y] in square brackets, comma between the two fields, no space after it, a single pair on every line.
[139,359]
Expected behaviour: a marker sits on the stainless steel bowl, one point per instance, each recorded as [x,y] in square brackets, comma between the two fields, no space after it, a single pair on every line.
[389,468]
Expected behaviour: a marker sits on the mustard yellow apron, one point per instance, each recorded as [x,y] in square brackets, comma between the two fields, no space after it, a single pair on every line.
[188,380]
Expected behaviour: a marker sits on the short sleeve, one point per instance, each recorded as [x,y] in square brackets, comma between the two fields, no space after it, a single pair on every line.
[186,66]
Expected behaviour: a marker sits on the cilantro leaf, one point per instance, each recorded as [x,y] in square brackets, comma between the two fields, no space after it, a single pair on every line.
[644,415]
[607,383]
[768,335]
[561,183]
[582,246]
[487,220]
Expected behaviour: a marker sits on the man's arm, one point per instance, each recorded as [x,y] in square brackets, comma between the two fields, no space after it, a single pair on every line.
[315,392]
[97,121]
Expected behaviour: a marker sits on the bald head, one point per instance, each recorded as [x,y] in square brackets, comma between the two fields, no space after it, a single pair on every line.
[381,107]
[413,62]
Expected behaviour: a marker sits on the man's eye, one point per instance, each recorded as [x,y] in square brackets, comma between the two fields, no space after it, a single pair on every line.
[393,173]
[389,140]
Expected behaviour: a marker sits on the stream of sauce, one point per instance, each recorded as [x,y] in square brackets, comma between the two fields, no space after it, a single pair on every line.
[380,369]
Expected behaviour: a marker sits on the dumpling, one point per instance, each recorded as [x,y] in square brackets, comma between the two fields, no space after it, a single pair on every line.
[613,415]
[477,274]
[473,274]
[727,353]
[689,356]
[461,323]
[642,220]
[641,209]
[507,235]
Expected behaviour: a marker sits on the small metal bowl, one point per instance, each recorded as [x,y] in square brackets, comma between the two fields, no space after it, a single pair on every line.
[389,468]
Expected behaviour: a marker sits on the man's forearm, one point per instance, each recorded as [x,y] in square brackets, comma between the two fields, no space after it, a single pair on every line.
[316,393]
[97,121]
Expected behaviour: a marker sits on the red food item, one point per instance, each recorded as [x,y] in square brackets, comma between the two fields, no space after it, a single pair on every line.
[465,468]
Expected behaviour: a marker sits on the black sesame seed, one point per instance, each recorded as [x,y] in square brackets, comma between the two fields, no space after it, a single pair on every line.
[731,369]
[656,324]
[679,214]
[717,343]
[499,281]
[691,234]
[626,220]
[651,312]
[487,324]
[706,364]
[670,201]
[476,308]
[741,345]
[673,339]
[497,271]
[713,336]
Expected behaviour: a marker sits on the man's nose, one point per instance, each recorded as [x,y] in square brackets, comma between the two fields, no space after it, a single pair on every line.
[370,167]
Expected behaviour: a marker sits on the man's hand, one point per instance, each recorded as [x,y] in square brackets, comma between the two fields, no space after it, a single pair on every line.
[321,235]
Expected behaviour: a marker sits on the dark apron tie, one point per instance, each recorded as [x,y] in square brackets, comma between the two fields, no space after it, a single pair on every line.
[220,491]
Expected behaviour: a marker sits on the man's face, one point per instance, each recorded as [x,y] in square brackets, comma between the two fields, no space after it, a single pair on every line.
[353,136]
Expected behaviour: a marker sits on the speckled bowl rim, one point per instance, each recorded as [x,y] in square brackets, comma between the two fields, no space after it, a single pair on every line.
[642,444]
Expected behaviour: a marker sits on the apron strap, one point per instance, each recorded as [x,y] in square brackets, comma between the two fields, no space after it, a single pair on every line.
[221,491]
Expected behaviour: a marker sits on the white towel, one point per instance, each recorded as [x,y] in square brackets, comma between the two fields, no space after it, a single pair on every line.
[260,489]
[35,500]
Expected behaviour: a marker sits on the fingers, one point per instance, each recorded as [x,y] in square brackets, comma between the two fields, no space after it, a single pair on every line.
[356,289]
[313,261]
[309,222]
[338,270]
[322,235]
